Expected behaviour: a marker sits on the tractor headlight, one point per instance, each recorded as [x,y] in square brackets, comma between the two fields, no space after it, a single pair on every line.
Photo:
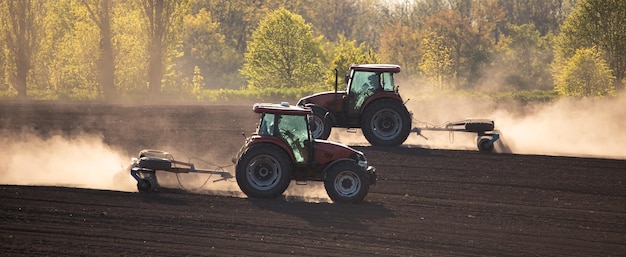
[362,161]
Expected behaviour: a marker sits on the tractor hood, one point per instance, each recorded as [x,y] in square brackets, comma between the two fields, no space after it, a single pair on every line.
[323,99]
[327,151]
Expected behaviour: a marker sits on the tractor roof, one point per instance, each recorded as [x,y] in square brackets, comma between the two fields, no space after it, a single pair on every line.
[282,108]
[393,68]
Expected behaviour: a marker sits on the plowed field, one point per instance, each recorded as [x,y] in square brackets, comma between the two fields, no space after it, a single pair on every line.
[427,202]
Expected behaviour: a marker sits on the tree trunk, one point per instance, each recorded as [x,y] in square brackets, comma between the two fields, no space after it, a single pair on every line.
[157,33]
[155,68]
[21,18]
[107,74]
[22,68]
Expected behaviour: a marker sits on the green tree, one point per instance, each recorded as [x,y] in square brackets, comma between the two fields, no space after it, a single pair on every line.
[400,46]
[584,74]
[333,18]
[600,24]
[345,54]
[206,48]
[283,53]
[524,57]
[130,41]
[21,22]
[545,15]
[165,22]
[100,14]
[464,41]
[66,65]
[197,81]
[436,63]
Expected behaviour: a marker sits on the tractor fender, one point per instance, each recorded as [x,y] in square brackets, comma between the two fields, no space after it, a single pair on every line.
[260,142]
[330,165]
[380,96]
[328,112]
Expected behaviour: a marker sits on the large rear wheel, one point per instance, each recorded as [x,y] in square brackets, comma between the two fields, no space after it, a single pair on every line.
[264,171]
[346,182]
[320,123]
[386,123]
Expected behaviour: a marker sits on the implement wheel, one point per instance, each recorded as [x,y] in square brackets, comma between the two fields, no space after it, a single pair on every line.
[148,183]
[485,145]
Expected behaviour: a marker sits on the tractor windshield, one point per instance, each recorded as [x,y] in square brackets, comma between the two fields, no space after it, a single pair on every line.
[366,83]
[294,130]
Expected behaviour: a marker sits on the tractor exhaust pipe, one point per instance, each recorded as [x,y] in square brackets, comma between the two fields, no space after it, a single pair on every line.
[336,80]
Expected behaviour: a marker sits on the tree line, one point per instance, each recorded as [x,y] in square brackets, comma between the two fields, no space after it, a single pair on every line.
[106,49]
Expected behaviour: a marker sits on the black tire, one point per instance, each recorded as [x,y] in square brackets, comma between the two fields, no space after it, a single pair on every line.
[479,126]
[320,124]
[145,186]
[346,182]
[155,163]
[153,153]
[386,123]
[264,171]
[485,145]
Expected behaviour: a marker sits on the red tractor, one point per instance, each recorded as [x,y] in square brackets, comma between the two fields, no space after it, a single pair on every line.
[371,102]
[283,149]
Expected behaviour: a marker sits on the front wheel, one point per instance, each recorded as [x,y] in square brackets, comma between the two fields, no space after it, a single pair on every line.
[346,182]
[264,171]
[386,123]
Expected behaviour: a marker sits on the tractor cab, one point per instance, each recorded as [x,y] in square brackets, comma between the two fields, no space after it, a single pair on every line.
[288,124]
[288,127]
[365,80]
[371,102]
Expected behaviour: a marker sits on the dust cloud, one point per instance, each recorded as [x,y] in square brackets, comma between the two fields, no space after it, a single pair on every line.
[578,127]
[83,161]
[591,127]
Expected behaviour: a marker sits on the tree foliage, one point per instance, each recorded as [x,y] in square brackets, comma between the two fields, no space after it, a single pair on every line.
[21,25]
[66,63]
[523,58]
[345,54]
[206,48]
[596,24]
[401,46]
[101,49]
[100,14]
[283,53]
[164,27]
[585,74]
[436,63]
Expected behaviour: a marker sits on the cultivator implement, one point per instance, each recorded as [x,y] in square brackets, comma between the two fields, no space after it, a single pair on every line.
[144,169]
[484,129]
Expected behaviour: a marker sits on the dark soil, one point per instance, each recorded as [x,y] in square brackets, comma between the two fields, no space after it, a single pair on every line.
[427,202]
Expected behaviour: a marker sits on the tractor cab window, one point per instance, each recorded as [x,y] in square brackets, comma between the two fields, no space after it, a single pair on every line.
[294,130]
[363,85]
[387,82]
[267,125]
